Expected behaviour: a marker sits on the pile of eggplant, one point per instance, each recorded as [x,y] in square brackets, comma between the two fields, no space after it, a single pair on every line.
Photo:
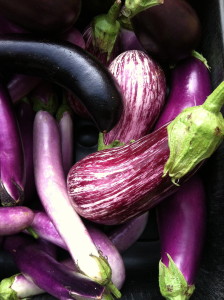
[132,68]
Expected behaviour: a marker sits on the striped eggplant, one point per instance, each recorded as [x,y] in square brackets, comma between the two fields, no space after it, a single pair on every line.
[143,84]
[114,185]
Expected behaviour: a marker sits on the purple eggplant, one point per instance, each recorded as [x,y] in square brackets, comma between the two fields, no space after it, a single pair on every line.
[51,187]
[15,219]
[42,16]
[46,230]
[168,32]
[129,40]
[12,164]
[190,85]
[25,116]
[48,274]
[182,223]
[6,26]
[125,235]
[182,217]
[143,84]
[74,36]
[114,185]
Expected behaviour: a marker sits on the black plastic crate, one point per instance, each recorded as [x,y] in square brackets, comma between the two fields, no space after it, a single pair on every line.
[141,260]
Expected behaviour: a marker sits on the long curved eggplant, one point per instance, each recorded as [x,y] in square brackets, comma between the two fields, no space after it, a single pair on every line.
[168,32]
[182,217]
[114,185]
[70,67]
[12,166]
[42,16]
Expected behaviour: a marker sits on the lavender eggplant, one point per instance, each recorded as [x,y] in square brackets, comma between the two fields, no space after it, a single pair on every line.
[51,188]
[184,212]
[12,179]
[114,185]
[47,273]
[15,219]
[46,230]
[143,84]
[125,235]
[70,67]
[42,16]
[168,32]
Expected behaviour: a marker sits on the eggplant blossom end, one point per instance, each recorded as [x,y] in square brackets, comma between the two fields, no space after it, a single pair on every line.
[173,285]
[6,292]
[193,136]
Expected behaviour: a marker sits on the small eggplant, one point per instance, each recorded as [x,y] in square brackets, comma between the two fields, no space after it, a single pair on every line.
[168,32]
[68,66]
[114,185]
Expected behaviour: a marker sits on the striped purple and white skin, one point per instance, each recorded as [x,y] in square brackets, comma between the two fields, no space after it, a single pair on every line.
[114,185]
[143,84]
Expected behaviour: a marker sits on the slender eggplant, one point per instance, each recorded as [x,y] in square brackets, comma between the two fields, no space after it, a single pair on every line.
[46,230]
[70,67]
[125,235]
[190,85]
[51,187]
[143,84]
[168,32]
[49,274]
[15,219]
[25,117]
[42,16]
[66,127]
[182,217]
[114,185]
[12,164]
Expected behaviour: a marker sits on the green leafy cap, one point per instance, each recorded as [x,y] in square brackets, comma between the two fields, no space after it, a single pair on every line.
[194,135]
[6,292]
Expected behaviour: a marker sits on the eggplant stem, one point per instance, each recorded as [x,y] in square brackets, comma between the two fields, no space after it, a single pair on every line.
[215,100]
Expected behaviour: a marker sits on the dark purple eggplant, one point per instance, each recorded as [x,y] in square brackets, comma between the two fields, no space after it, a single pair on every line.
[15,219]
[114,185]
[42,16]
[12,179]
[6,26]
[182,224]
[168,32]
[129,41]
[70,67]
[49,274]
[182,217]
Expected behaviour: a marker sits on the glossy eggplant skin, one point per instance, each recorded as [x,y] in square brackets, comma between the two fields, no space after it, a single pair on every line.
[69,66]
[42,16]
[168,32]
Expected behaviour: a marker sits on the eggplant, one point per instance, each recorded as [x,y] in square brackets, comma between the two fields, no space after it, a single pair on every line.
[114,185]
[49,274]
[46,230]
[15,219]
[182,217]
[51,187]
[68,66]
[168,32]
[42,16]
[12,179]
[143,84]
[129,41]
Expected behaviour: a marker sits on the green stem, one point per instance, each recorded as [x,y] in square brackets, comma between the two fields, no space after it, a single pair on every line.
[201,58]
[215,100]
[32,232]
[114,11]
[133,7]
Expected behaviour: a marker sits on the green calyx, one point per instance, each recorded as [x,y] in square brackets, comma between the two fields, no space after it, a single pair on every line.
[106,28]
[194,135]
[106,273]
[5,289]
[102,146]
[133,7]
[173,285]
[201,58]
[51,105]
